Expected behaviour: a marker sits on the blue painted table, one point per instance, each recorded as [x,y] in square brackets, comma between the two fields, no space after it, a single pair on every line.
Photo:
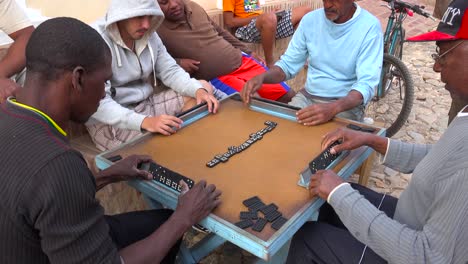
[270,168]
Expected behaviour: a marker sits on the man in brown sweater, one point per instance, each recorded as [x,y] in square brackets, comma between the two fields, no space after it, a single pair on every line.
[48,209]
[208,52]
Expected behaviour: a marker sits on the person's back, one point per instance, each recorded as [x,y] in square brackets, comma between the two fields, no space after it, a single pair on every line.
[38,165]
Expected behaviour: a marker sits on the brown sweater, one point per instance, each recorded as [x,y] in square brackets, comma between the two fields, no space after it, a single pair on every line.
[200,38]
[48,209]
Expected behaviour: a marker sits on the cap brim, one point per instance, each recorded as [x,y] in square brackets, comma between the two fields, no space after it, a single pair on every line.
[432,36]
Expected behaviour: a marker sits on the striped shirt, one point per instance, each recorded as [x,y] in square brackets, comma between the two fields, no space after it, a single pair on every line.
[430,224]
[48,209]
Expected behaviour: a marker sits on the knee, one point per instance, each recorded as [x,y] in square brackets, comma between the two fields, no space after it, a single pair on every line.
[287,97]
[298,13]
[267,21]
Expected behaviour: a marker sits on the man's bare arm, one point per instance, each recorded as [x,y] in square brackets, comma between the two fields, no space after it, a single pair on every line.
[15,59]
[233,22]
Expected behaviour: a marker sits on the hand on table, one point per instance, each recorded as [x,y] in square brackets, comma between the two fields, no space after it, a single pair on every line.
[350,139]
[189,65]
[197,203]
[123,170]
[316,114]
[7,88]
[250,87]
[202,95]
[323,182]
[163,124]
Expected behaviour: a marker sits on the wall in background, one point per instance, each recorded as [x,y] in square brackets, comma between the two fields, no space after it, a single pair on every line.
[85,10]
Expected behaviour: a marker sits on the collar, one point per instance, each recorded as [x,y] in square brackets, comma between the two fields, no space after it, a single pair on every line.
[188,18]
[462,112]
[41,114]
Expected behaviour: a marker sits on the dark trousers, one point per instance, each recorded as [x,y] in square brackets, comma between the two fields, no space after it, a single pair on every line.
[328,241]
[128,228]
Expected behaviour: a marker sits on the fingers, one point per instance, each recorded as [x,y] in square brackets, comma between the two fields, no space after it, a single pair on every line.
[215,104]
[247,92]
[144,175]
[211,102]
[310,116]
[184,187]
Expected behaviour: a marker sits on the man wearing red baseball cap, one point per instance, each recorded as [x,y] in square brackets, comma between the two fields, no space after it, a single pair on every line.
[428,223]
[452,30]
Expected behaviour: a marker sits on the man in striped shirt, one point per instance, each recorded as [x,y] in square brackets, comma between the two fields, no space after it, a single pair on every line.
[428,223]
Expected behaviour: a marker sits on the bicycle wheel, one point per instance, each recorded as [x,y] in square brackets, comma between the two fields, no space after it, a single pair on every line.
[392,106]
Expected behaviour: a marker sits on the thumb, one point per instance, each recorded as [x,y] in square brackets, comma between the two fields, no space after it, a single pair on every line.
[184,187]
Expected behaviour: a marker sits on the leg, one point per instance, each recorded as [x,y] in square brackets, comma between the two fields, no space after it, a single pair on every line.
[266,24]
[128,228]
[327,213]
[355,113]
[249,68]
[107,137]
[189,102]
[300,100]
[218,94]
[298,13]
[318,242]
[287,97]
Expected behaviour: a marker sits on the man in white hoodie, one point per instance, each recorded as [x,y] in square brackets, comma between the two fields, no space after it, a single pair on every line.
[139,58]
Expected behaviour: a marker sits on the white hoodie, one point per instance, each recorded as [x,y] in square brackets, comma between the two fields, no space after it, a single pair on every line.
[130,82]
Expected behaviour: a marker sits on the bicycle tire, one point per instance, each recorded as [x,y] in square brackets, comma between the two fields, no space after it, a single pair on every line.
[392,109]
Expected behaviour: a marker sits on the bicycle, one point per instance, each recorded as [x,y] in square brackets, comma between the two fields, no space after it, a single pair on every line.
[393,98]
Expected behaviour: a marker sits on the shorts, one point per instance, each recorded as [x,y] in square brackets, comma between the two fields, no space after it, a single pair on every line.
[234,82]
[250,33]
[107,137]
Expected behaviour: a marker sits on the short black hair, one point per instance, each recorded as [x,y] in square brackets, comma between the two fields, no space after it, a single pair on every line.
[63,43]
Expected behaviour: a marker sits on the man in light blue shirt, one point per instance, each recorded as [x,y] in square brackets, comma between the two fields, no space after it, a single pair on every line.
[343,45]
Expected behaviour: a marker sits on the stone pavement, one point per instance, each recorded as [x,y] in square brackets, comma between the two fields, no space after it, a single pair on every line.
[426,123]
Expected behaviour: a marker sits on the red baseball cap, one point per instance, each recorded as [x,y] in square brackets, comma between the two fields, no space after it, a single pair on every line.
[452,26]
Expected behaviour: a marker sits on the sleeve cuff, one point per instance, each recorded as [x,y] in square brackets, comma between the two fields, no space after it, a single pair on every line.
[196,85]
[335,189]
[135,120]
[384,158]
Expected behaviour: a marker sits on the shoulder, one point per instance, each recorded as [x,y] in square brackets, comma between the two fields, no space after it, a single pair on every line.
[195,6]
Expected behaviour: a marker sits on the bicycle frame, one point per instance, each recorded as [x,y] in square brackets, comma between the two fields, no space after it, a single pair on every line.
[393,30]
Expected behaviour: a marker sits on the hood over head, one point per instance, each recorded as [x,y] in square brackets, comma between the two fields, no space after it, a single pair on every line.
[124,9]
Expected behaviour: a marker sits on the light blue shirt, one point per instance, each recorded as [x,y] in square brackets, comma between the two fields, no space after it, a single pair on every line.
[341,57]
